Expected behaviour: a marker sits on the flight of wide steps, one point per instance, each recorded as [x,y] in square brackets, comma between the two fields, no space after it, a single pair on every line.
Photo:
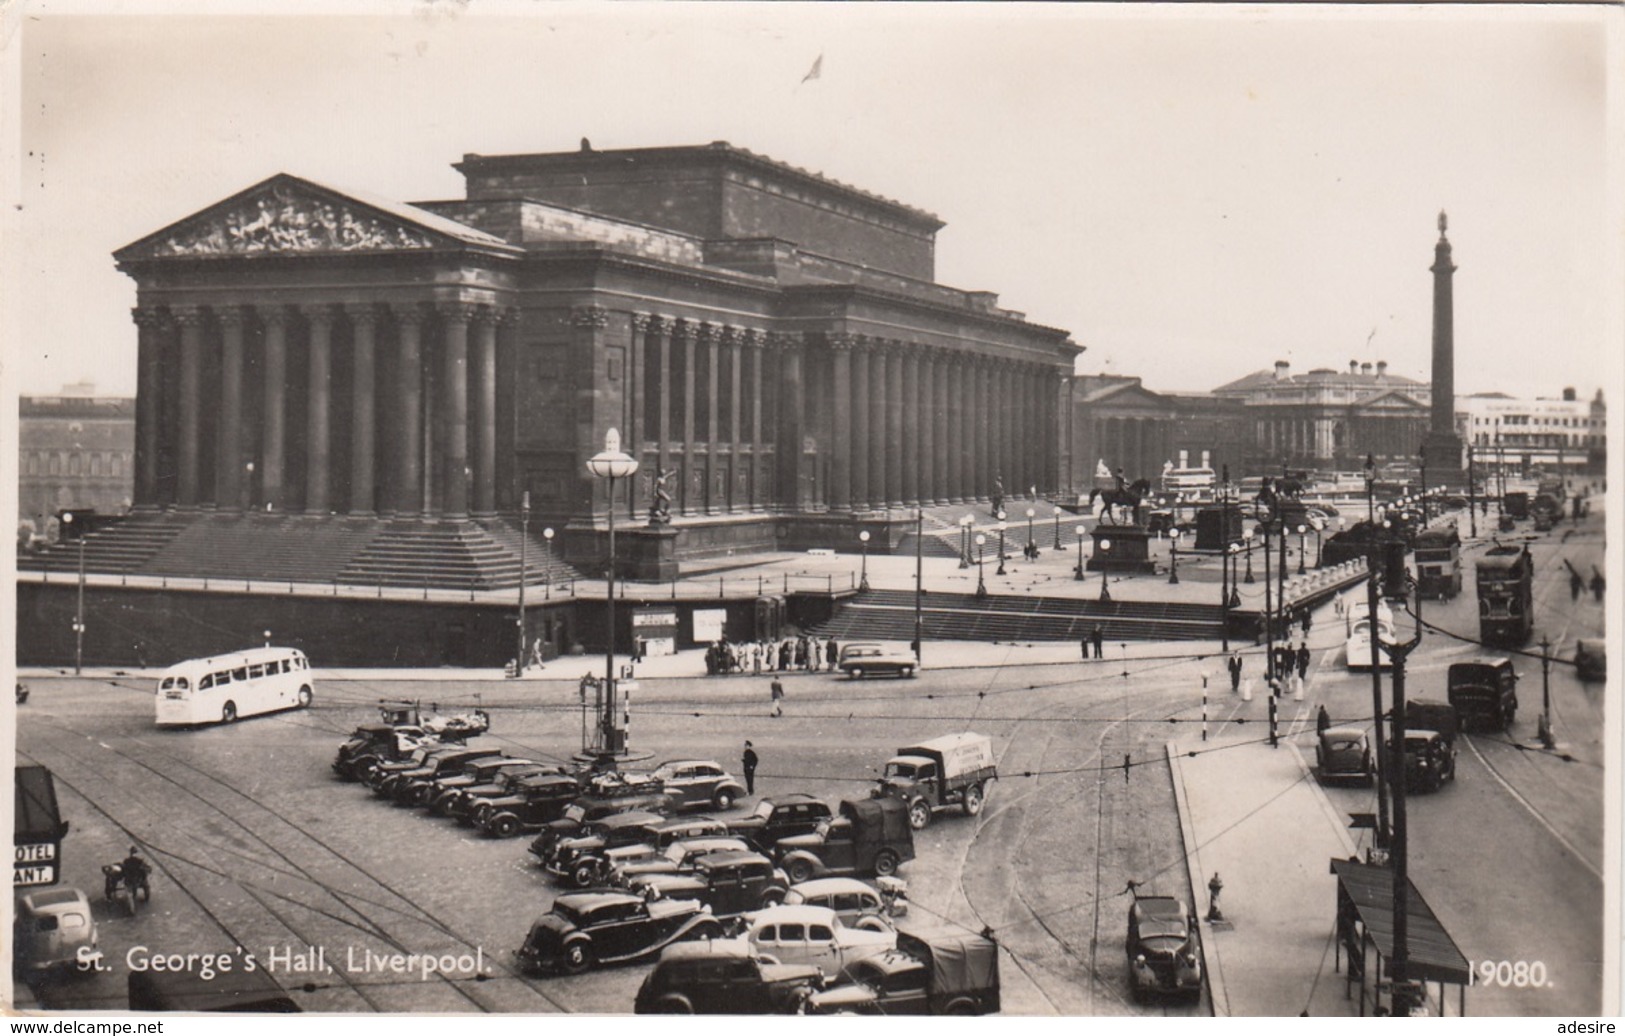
[889,615]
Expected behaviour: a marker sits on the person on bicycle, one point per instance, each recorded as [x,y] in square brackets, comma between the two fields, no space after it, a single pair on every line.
[134,869]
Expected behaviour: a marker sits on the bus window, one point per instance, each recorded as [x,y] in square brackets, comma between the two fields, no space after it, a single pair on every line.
[223,676]
[287,666]
[240,673]
[255,672]
[205,683]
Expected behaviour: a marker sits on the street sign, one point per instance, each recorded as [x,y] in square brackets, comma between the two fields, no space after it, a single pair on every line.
[1362,821]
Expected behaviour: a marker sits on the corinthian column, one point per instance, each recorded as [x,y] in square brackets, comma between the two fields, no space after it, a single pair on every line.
[406,495]
[228,458]
[364,322]
[274,419]
[485,412]
[454,471]
[190,320]
[319,412]
[149,386]
[840,465]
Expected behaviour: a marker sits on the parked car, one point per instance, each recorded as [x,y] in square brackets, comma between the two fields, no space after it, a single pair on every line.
[853,901]
[408,787]
[677,858]
[374,743]
[1344,753]
[547,850]
[780,817]
[699,784]
[582,861]
[730,883]
[463,804]
[860,660]
[944,970]
[868,836]
[1164,956]
[53,929]
[723,977]
[812,935]
[1591,659]
[601,798]
[607,927]
[535,802]
[443,793]
[425,754]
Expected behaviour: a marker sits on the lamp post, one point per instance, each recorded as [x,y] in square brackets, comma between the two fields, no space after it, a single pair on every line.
[1032,545]
[1078,572]
[267,638]
[1058,529]
[1422,467]
[1173,556]
[1472,495]
[981,581]
[863,580]
[610,463]
[1001,527]
[79,603]
[1105,591]
[1247,536]
[524,558]
[547,576]
[919,583]
[1302,532]
[965,524]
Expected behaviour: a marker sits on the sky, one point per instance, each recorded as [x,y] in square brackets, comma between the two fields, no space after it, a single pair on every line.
[1194,194]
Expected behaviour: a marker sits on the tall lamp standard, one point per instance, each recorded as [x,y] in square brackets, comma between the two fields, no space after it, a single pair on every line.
[1247,537]
[1078,572]
[981,582]
[1303,531]
[863,580]
[524,557]
[1001,528]
[1105,591]
[1032,544]
[965,524]
[1058,529]
[610,463]
[79,604]
[1173,555]
[547,576]
[1472,495]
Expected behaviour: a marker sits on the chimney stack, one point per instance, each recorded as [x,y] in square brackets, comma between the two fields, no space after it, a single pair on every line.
[1568,395]
[1354,366]
[1281,368]
[1365,368]
[1382,369]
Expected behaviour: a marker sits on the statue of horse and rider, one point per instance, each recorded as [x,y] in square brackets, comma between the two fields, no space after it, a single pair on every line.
[1125,494]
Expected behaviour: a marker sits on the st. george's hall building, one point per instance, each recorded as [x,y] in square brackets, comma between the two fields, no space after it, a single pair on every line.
[395,380]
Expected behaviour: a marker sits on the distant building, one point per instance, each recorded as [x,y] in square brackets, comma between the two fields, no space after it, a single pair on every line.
[1118,422]
[75,451]
[1567,434]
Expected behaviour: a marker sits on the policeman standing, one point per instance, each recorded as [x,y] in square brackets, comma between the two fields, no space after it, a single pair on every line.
[747,762]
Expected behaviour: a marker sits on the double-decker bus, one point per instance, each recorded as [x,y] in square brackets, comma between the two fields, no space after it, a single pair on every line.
[1438,562]
[225,688]
[1506,595]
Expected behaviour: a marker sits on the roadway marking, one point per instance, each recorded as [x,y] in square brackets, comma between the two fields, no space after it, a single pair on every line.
[1593,868]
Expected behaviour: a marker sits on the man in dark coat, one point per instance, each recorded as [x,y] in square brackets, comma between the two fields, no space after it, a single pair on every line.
[832,653]
[1303,661]
[1234,665]
[1323,720]
[1098,635]
[747,762]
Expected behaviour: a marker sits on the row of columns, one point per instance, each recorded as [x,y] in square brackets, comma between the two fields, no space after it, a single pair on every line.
[170,422]
[1138,445]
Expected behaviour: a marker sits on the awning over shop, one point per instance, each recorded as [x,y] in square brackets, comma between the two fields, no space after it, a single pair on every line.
[1369,890]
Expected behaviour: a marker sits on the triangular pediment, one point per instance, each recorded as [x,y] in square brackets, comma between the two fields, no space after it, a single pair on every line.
[1125,396]
[1389,401]
[286,215]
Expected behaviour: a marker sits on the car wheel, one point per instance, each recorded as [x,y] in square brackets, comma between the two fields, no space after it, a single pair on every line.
[723,800]
[871,923]
[505,826]
[305,697]
[973,800]
[799,871]
[585,873]
[919,815]
[772,897]
[857,672]
[671,1003]
[961,1007]
[908,671]
[885,863]
[228,714]
[577,957]
[710,928]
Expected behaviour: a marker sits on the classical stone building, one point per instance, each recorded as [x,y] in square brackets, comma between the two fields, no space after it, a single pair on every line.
[75,452]
[769,340]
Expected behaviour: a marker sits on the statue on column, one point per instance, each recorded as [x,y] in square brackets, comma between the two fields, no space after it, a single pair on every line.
[660,506]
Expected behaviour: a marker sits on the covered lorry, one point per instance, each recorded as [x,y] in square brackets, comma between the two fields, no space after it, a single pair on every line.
[1484,692]
[943,970]
[953,770]
[868,836]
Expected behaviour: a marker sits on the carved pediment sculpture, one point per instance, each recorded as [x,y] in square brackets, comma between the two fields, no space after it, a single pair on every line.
[281,218]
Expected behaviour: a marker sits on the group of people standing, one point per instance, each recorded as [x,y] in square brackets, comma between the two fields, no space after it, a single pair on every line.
[769,656]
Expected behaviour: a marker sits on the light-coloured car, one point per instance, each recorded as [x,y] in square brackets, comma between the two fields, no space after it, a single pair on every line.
[812,935]
[854,901]
[627,864]
[860,660]
[54,928]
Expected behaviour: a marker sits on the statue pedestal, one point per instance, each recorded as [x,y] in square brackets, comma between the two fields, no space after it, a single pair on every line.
[650,553]
[1121,548]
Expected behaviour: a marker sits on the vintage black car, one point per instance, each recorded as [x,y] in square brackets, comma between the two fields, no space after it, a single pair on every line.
[443,794]
[776,818]
[380,774]
[535,802]
[594,805]
[699,784]
[1164,957]
[374,743]
[723,978]
[401,786]
[608,927]
[730,883]
[626,865]
[581,861]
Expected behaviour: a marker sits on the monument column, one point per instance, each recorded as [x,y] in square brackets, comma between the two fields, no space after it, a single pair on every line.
[840,464]
[364,323]
[273,420]
[190,320]
[485,411]
[1442,450]
[318,414]
[454,408]
[149,326]
[406,495]
[228,458]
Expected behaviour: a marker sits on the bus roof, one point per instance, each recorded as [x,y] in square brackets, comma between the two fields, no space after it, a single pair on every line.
[248,656]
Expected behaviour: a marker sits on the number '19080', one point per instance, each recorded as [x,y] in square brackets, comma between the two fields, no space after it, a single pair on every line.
[1516,974]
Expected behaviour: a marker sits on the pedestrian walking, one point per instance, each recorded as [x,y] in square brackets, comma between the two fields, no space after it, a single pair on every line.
[784,656]
[1098,635]
[1234,665]
[747,762]
[1083,643]
[1337,605]
[778,697]
[832,653]
[1577,586]
[1303,661]
[1598,585]
[1306,622]
[1323,720]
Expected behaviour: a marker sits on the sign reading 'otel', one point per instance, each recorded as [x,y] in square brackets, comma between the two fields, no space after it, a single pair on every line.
[34,863]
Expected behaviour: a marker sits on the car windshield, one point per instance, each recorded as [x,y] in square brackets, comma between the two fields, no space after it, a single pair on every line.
[900,769]
[575,812]
[1345,745]
[676,851]
[764,809]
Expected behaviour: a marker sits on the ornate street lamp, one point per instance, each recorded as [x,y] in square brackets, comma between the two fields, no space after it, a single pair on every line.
[1058,529]
[524,558]
[611,464]
[981,582]
[1248,537]
[1032,545]
[863,580]
[965,524]
[1078,572]
[79,604]
[1173,556]
[1302,531]
[1105,591]
[1001,528]
[547,577]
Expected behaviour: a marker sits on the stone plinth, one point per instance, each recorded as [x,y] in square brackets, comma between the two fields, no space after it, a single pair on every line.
[650,553]
[1128,550]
